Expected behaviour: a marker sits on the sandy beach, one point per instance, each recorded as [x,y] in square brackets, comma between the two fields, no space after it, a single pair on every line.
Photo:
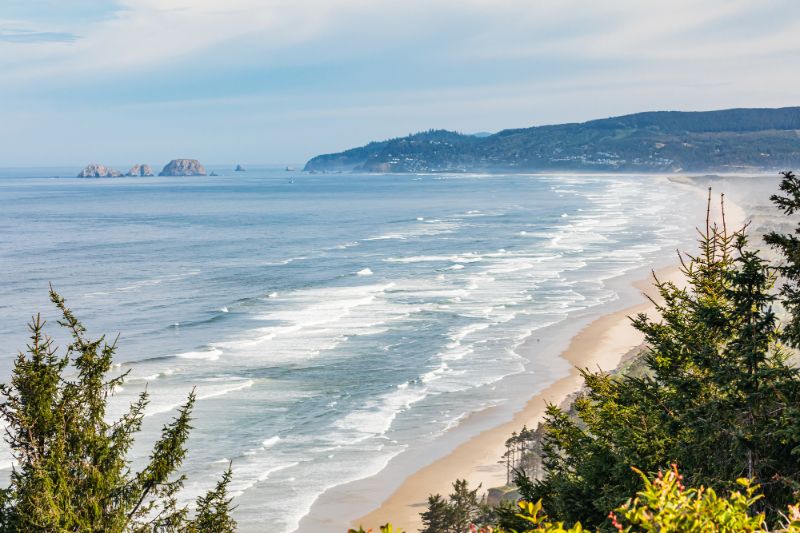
[602,344]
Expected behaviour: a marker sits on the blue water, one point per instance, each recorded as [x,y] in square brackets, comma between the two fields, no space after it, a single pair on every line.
[327,321]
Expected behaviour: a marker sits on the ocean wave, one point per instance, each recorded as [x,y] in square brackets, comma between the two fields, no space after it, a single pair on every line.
[270,442]
[135,286]
[202,392]
[211,354]
[428,228]
[282,262]
[463,258]
[377,416]
[343,246]
[388,236]
[246,476]
[310,322]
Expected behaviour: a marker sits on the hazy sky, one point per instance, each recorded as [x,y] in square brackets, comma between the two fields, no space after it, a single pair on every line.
[278,81]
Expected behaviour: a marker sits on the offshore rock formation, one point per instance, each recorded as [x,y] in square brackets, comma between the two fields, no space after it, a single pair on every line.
[95,170]
[140,170]
[239,168]
[183,167]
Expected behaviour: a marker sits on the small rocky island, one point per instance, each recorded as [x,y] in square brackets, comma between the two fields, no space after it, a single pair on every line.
[239,168]
[183,167]
[140,170]
[95,170]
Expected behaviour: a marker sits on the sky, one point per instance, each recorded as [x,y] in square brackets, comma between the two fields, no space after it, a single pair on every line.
[279,81]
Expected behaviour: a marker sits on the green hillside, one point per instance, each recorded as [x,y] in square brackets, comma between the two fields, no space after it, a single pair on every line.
[660,141]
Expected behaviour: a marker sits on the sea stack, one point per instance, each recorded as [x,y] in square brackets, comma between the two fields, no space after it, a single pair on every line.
[140,170]
[239,168]
[183,167]
[98,171]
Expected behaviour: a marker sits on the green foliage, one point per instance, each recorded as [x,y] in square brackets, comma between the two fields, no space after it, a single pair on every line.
[789,247]
[717,397]
[456,514]
[388,528]
[535,520]
[214,509]
[438,515]
[71,468]
[666,505]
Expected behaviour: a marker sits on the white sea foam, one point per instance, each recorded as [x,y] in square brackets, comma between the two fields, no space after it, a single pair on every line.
[270,442]
[429,228]
[203,392]
[211,354]
[246,477]
[364,272]
[282,262]
[141,284]
[388,236]
[344,246]
[464,258]
[376,417]
[311,322]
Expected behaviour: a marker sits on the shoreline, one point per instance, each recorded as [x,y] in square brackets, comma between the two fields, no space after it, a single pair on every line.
[603,343]
[599,337]
[472,450]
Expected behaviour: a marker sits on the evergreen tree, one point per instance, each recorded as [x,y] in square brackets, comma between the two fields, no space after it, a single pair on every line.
[457,513]
[717,396]
[437,518]
[789,246]
[213,509]
[72,471]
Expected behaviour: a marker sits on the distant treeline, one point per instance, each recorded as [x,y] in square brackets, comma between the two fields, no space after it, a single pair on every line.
[660,141]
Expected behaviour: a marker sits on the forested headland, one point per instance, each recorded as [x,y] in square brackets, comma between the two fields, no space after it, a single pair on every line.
[730,140]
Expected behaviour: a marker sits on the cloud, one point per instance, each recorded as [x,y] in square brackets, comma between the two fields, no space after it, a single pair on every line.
[237,71]
[145,35]
[12,35]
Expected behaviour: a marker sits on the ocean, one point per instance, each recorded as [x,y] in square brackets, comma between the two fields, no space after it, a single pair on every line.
[327,322]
